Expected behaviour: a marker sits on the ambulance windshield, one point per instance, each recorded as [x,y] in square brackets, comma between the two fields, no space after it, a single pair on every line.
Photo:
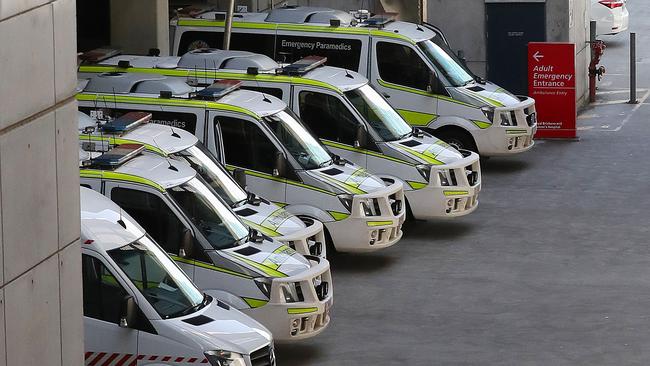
[218,224]
[158,278]
[300,143]
[214,174]
[379,114]
[447,65]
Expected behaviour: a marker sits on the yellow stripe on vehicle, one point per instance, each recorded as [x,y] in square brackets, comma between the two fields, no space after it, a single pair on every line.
[417,118]
[338,216]
[362,151]
[344,186]
[267,270]
[108,99]
[427,158]
[281,180]
[405,88]
[416,185]
[516,132]
[301,310]
[378,223]
[264,230]
[104,174]
[480,124]
[254,303]
[209,266]
[455,193]
[212,75]
[283,251]
[452,100]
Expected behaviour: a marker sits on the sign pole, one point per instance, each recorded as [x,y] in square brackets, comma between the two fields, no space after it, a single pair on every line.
[633,99]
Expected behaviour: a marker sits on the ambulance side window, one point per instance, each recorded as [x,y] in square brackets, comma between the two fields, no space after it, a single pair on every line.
[401,65]
[245,145]
[153,215]
[102,293]
[340,52]
[328,117]
[253,42]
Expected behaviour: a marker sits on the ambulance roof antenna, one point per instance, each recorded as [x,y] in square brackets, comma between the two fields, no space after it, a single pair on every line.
[214,63]
[114,98]
[348,75]
[171,167]
[120,221]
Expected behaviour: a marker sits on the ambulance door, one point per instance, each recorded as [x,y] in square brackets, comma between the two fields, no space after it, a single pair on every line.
[330,119]
[247,147]
[103,296]
[162,221]
[405,80]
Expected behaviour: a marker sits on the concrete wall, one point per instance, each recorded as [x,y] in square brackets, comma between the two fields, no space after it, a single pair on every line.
[566,21]
[40,281]
[137,26]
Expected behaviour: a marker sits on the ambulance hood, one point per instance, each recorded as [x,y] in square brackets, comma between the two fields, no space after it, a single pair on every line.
[269,219]
[487,94]
[349,178]
[270,258]
[427,150]
[216,327]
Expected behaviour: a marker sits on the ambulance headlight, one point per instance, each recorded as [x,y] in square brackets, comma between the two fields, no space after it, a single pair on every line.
[425,171]
[346,200]
[225,358]
[489,113]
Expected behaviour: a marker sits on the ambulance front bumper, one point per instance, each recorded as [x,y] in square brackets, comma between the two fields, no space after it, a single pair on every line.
[370,231]
[310,241]
[512,131]
[299,306]
[452,191]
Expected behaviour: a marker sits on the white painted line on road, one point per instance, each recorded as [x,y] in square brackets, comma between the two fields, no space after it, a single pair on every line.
[610,102]
[585,128]
[636,108]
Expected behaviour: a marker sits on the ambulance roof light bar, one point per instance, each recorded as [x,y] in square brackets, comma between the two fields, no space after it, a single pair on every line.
[117,156]
[219,89]
[126,122]
[379,21]
[99,54]
[304,65]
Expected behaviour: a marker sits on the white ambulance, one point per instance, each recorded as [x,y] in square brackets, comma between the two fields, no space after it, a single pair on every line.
[140,308]
[99,134]
[409,64]
[261,135]
[288,293]
[345,112]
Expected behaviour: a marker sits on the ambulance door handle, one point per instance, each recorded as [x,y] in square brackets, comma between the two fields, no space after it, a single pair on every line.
[385,95]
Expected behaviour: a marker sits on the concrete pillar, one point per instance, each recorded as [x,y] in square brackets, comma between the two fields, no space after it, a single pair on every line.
[137,26]
[40,262]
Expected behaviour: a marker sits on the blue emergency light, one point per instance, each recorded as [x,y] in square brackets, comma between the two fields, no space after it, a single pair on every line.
[118,155]
[304,65]
[126,122]
[378,21]
[219,89]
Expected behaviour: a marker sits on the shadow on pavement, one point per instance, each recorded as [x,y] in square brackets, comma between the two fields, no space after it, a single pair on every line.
[504,165]
[296,354]
[437,230]
[353,263]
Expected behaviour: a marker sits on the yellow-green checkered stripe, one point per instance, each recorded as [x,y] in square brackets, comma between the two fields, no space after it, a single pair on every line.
[105,174]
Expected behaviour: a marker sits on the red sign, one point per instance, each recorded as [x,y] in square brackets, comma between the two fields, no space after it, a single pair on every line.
[552,83]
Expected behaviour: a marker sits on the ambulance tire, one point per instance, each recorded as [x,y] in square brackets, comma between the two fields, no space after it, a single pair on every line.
[329,244]
[409,212]
[456,137]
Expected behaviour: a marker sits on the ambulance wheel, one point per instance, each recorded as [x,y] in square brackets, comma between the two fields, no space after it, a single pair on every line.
[329,245]
[456,137]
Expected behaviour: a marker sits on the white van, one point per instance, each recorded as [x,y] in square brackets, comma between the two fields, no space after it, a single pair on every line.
[283,162]
[407,63]
[139,307]
[99,134]
[345,112]
[288,293]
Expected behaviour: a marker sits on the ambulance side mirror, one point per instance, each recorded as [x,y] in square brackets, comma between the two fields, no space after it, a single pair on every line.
[280,165]
[240,177]
[128,313]
[361,137]
[186,243]
[433,86]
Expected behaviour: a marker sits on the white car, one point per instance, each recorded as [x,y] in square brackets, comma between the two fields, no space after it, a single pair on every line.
[611,16]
